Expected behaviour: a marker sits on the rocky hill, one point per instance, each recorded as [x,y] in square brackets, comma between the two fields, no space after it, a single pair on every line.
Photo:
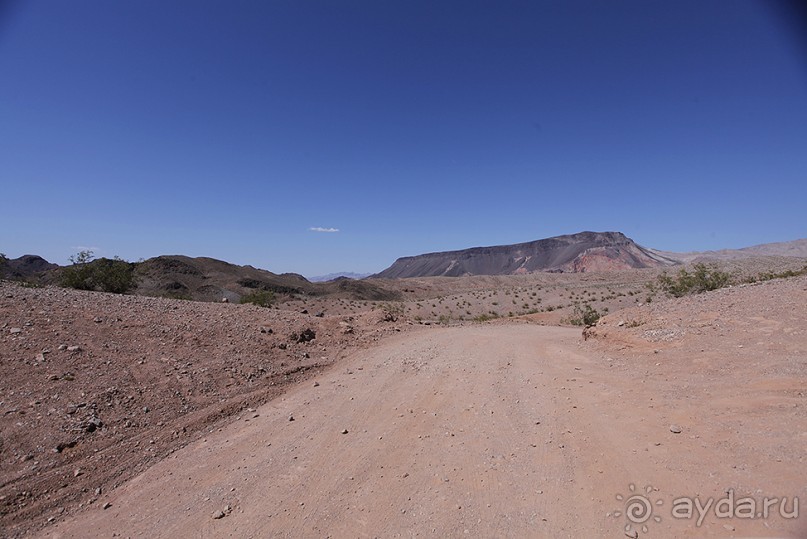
[582,252]
[202,279]
[24,267]
[208,279]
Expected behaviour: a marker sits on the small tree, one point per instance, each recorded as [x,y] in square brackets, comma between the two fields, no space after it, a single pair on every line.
[79,274]
[82,257]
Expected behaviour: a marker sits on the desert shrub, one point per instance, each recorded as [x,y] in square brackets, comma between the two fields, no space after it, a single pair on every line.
[261,298]
[702,278]
[770,275]
[584,315]
[79,274]
[485,317]
[176,294]
[108,275]
[113,275]
[392,311]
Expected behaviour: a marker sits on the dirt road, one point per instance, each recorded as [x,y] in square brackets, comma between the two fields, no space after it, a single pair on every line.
[511,430]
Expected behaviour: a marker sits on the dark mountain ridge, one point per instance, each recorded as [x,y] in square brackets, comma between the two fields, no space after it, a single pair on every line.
[24,267]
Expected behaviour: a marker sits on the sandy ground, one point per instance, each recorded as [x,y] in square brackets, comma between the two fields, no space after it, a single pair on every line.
[502,430]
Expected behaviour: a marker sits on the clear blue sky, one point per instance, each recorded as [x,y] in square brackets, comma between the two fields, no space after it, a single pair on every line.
[231,129]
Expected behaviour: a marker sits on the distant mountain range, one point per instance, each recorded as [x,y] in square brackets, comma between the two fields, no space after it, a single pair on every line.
[795,248]
[338,275]
[208,279]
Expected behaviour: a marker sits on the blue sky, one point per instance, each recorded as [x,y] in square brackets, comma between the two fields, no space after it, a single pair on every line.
[323,136]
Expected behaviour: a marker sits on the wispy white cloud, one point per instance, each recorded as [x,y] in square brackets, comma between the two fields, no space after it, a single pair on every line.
[85,248]
[322,229]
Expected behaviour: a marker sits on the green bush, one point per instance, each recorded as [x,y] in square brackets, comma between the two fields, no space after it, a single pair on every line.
[113,275]
[702,278]
[79,274]
[108,275]
[261,298]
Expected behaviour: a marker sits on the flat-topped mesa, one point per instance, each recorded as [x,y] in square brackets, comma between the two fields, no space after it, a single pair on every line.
[581,252]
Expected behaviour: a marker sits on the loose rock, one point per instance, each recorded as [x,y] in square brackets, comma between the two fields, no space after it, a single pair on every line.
[307,335]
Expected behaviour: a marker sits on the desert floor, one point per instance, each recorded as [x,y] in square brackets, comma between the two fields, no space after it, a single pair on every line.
[503,429]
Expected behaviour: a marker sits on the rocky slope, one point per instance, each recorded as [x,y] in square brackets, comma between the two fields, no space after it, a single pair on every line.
[208,279]
[96,387]
[582,252]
